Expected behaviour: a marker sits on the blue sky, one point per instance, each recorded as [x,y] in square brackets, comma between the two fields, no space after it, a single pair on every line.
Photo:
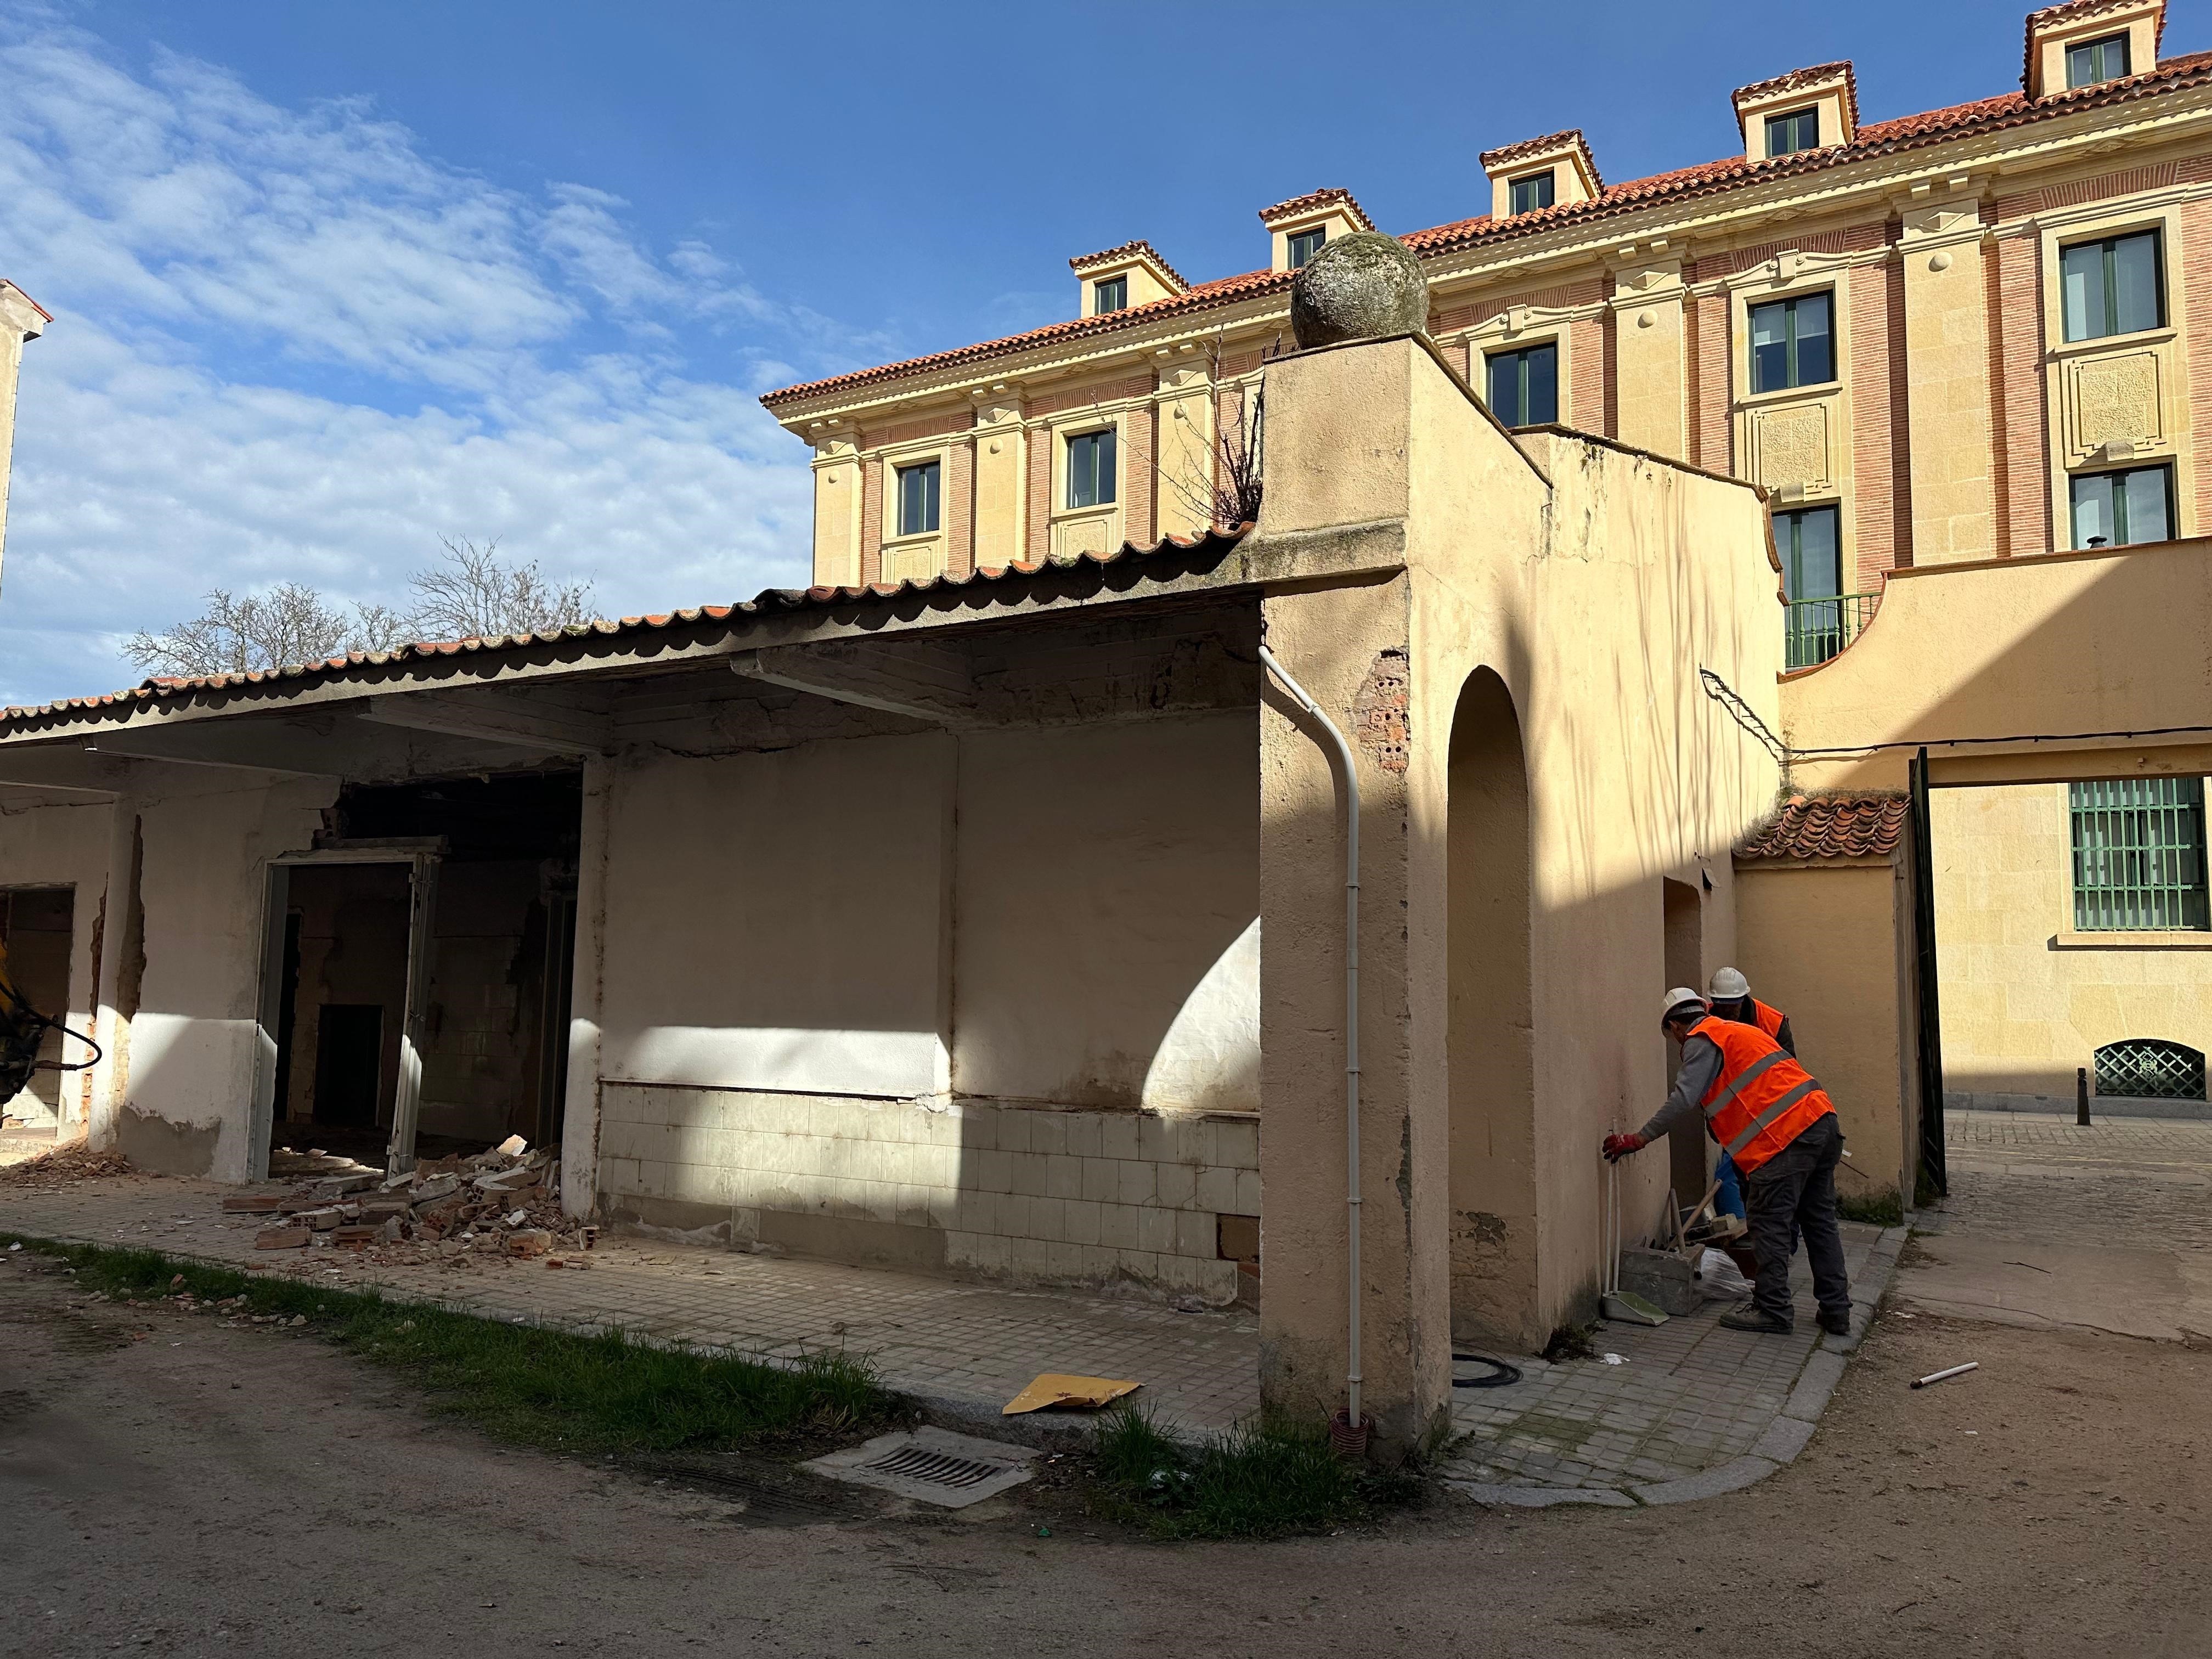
[331,280]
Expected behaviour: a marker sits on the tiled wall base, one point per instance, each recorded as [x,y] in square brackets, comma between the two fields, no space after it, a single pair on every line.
[1026,1193]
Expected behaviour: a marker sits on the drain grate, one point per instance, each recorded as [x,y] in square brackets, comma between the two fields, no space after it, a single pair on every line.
[913,1463]
[932,1466]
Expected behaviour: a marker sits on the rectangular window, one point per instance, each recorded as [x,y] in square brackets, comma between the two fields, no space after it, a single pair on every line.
[917,498]
[2094,61]
[1787,134]
[1792,343]
[2117,509]
[1091,469]
[1818,617]
[1532,192]
[1524,386]
[1304,243]
[1109,293]
[2138,854]
[2117,286]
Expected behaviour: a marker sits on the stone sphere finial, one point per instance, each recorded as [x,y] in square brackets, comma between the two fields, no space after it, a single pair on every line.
[1365,286]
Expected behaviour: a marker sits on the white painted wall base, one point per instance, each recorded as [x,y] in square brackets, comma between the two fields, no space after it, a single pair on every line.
[1026,1193]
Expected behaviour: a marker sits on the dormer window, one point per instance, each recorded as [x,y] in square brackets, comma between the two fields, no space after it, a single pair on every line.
[2095,61]
[1533,192]
[1300,228]
[1131,275]
[1304,243]
[1110,294]
[1798,130]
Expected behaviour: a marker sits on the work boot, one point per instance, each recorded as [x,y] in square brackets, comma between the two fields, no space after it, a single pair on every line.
[1836,1324]
[1748,1318]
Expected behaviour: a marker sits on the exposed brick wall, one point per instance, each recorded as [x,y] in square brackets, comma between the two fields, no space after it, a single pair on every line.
[1076,396]
[932,426]
[1137,475]
[1589,405]
[1877,436]
[1036,539]
[2024,450]
[960,509]
[1711,388]
[872,520]
[1449,322]
[2196,278]
[2156,176]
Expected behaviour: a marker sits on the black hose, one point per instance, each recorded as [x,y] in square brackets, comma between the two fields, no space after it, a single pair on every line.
[1501,1376]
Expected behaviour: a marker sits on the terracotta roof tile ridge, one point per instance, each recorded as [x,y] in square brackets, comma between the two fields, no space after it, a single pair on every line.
[1333,195]
[2065,12]
[1719,173]
[1846,824]
[1514,152]
[1090,261]
[161,687]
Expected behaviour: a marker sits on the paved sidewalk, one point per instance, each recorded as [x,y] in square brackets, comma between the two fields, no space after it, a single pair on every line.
[1696,1409]
[964,1350]
[1693,1410]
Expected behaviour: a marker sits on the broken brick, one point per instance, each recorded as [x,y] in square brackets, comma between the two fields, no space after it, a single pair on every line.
[282,1238]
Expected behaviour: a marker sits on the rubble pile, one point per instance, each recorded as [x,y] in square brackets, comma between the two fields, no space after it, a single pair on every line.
[64,1165]
[500,1204]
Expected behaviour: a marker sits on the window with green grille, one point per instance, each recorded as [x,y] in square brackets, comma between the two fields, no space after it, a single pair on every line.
[2138,854]
[2151,1068]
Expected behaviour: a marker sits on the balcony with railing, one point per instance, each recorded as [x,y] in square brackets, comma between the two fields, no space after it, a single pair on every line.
[1816,629]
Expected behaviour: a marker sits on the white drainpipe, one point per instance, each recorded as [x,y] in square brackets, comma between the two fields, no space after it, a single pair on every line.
[1351,1020]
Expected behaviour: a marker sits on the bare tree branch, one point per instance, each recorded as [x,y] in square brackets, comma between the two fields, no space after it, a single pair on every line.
[472,594]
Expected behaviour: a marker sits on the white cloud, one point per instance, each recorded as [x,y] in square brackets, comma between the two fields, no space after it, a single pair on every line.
[289,344]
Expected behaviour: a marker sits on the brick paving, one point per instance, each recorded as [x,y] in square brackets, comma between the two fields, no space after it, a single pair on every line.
[1689,1397]
[2144,1182]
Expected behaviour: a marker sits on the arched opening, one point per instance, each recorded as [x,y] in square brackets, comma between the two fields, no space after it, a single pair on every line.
[1493,1051]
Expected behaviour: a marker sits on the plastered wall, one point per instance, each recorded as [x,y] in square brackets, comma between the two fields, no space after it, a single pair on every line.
[1828,945]
[985,1000]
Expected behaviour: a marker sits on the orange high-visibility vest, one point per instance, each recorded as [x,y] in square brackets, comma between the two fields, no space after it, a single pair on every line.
[1763,1099]
[1768,1020]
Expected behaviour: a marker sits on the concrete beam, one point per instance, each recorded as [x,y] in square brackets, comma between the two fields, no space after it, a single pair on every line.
[530,723]
[924,681]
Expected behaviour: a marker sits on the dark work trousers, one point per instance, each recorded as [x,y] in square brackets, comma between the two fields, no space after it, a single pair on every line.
[1796,1189]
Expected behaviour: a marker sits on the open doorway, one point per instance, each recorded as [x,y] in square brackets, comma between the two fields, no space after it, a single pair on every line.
[37,925]
[419,964]
[1492,1034]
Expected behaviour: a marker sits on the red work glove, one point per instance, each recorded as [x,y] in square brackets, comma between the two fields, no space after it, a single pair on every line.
[1619,1146]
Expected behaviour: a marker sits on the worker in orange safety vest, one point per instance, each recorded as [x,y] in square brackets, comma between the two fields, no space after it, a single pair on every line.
[1773,1118]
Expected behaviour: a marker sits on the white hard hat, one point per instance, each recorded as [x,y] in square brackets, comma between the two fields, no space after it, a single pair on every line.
[1679,998]
[1730,986]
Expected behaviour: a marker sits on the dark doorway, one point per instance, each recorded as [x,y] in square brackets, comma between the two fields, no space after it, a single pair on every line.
[37,925]
[350,1064]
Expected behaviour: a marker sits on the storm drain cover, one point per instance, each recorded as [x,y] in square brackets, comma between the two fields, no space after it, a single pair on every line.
[932,1466]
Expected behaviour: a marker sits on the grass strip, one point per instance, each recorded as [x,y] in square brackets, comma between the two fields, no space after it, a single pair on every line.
[552,1389]
[1259,1481]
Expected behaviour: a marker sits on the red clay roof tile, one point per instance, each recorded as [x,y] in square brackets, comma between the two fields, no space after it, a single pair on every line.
[1092,261]
[1882,137]
[999,585]
[1333,197]
[1812,828]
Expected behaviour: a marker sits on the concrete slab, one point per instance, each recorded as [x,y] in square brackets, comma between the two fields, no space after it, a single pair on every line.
[2161,1296]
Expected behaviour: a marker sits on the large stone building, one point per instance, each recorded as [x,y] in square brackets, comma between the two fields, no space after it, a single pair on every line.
[1936,339]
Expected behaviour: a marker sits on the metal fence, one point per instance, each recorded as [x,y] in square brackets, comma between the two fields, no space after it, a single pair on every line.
[1816,629]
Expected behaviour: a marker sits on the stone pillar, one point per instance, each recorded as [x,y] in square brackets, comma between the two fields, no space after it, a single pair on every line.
[1651,392]
[121,941]
[837,513]
[1947,359]
[580,1114]
[1348,648]
[999,472]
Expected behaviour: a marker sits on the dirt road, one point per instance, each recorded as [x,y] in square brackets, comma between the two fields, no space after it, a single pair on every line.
[170,1486]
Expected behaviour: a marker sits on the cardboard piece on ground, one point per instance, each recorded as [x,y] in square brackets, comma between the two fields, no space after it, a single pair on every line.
[1053,1389]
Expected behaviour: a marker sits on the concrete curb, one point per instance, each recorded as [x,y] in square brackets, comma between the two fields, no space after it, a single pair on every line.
[1784,1436]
